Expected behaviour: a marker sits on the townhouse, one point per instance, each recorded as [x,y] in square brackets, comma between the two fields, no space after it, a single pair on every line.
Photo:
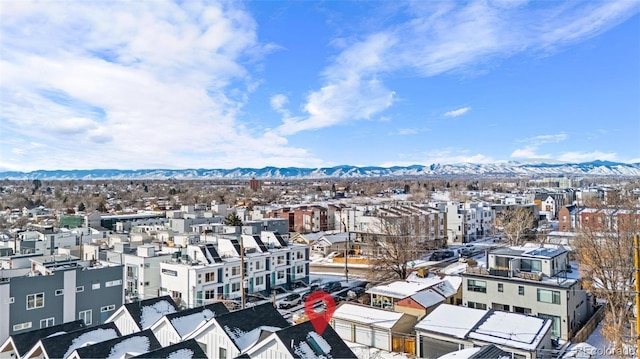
[530,279]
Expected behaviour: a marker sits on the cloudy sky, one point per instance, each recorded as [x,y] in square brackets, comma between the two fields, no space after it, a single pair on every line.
[188,84]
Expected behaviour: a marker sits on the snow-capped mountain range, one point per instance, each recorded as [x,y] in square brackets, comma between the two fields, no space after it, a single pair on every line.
[504,169]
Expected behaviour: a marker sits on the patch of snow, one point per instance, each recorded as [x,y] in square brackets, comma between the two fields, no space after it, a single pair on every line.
[245,340]
[367,315]
[152,313]
[88,338]
[56,334]
[512,329]
[580,351]
[136,345]
[181,354]
[451,320]
[365,352]
[398,289]
[188,323]
[303,350]
[461,354]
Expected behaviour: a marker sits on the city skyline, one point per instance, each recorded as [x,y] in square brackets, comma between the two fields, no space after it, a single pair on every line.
[317,84]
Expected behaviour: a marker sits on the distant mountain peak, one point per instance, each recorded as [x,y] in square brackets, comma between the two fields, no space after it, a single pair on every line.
[498,169]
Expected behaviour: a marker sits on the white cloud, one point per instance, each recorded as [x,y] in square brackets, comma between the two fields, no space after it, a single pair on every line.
[149,83]
[530,151]
[278,102]
[441,37]
[588,156]
[458,112]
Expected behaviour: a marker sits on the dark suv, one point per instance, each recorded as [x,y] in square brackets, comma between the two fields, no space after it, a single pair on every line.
[332,287]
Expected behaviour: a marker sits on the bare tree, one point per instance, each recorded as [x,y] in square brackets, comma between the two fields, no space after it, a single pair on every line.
[604,248]
[517,223]
[397,242]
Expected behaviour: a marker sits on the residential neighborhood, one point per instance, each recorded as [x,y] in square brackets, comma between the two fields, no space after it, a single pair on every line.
[213,279]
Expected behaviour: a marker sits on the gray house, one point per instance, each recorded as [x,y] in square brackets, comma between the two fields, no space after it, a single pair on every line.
[57,289]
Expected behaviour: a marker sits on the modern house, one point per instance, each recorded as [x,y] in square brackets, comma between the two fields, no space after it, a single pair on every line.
[17,345]
[530,279]
[450,328]
[136,316]
[55,289]
[121,347]
[300,341]
[230,335]
[174,327]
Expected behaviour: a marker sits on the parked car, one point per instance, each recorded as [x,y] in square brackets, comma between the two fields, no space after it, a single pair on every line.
[467,251]
[311,291]
[290,301]
[355,292]
[441,255]
[332,287]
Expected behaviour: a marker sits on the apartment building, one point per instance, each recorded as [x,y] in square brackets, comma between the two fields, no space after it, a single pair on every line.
[54,289]
[530,279]
[203,273]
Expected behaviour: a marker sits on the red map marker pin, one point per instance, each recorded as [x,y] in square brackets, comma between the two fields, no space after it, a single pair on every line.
[319,320]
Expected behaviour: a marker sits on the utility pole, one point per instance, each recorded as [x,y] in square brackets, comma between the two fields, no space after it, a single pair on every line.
[242,274]
[636,255]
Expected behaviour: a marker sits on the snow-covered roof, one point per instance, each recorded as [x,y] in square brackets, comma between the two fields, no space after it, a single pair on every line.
[367,315]
[398,289]
[427,298]
[514,330]
[451,320]
[150,314]
[461,354]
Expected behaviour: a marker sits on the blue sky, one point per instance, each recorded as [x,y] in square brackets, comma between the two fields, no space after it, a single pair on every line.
[188,84]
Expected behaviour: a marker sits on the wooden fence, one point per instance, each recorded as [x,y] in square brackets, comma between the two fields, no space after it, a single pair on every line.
[589,326]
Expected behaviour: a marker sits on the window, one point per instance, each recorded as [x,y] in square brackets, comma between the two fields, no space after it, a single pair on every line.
[80,289]
[22,326]
[521,290]
[235,270]
[259,265]
[176,294]
[530,265]
[259,280]
[477,305]
[95,286]
[170,272]
[48,322]
[210,277]
[222,353]
[280,259]
[555,324]
[548,296]
[113,283]
[299,255]
[280,274]
[85,316]
[235,287]
[35,301]
[59,292]
[299,269]
[107,308]
[476,285]
[500,287]
[210,294]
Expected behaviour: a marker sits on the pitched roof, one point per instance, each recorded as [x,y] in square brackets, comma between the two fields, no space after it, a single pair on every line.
[302,341]
[187,349]
[188,320]
[138,343]
[367,315]
[490,352]
[61,346]
[23,342]
[244,326]
[146,312]
[427,298]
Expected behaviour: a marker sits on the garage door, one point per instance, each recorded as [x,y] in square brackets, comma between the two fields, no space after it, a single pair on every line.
[343,330]
[381,339]
[434,348]
[364,335]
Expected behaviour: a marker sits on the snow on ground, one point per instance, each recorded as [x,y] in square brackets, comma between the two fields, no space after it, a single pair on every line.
[364,352]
